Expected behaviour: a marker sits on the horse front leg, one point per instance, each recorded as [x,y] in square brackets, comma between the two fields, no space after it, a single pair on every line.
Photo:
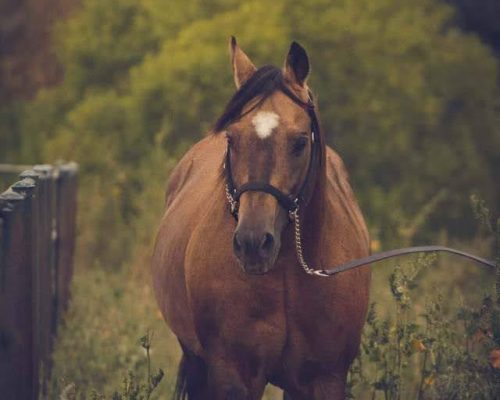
[230,380]
[331,387]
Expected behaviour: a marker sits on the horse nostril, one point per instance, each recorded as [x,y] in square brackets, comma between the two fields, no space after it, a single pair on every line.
[267,243]
[236,243]
[251,247]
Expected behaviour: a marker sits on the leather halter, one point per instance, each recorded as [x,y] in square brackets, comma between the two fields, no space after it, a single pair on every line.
[288,201]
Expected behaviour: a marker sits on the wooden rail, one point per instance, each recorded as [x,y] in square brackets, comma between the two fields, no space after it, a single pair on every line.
[13,168]
[37,239]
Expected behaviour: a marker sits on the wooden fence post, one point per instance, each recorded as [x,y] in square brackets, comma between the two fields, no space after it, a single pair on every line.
[44,288]
[35,271]
[66,226]
[37,241]
[16,323]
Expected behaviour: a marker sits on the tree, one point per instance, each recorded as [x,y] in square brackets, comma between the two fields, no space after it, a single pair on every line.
[393,81]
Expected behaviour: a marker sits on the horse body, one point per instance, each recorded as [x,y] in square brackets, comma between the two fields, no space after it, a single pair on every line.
[233,292]
[285,327]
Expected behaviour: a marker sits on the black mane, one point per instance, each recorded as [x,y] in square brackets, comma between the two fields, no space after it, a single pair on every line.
[265,81]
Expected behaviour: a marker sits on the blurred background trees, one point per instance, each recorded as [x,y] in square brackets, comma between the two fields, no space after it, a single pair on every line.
[408,98]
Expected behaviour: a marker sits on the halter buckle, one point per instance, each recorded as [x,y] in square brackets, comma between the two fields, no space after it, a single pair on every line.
[234,209]
[292,213]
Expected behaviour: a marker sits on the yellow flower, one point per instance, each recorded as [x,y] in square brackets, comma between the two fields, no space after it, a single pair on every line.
[417,345]
[495,358]
[429,380]
[375,245]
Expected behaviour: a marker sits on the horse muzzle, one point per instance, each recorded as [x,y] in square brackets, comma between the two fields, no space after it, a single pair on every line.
[256,249]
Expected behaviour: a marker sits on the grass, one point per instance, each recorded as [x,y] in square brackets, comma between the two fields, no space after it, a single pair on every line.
[428,335]
[99,342]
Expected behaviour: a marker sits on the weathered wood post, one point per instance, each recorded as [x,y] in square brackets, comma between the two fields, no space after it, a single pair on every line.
[44,288]
[36,208]
[37,241]
[17,372]
[66,226]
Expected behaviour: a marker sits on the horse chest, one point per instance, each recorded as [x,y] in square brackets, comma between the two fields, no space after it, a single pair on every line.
[265,313]
[237,312]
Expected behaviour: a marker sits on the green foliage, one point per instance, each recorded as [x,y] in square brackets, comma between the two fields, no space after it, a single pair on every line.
[9,150]
[484,216]
[97,350]
[101,42]
[393,81]
[132,389]
[399,103]
[442,352]
[431,355]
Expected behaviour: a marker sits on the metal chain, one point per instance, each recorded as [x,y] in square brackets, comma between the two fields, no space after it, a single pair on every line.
[294,215]
[232,202]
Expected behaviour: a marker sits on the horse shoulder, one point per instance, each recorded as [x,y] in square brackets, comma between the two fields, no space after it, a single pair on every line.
[338,179]
[184,170]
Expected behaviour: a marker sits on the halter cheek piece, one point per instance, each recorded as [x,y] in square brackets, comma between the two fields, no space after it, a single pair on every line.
[288,201]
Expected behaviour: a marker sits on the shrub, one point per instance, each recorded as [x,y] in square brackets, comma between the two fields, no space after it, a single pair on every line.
[444,352]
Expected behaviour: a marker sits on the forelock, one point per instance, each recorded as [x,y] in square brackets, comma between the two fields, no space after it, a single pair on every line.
[264,82]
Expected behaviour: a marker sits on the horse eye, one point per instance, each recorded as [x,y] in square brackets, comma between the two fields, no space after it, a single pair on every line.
[299,145]
[229,140]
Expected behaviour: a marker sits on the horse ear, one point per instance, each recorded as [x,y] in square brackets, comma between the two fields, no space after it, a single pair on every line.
[243,68]
[296,68]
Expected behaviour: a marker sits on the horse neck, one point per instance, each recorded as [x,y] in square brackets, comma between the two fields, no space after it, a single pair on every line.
[313,215]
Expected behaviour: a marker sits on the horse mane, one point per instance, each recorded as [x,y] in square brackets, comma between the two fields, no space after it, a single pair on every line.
[264,82]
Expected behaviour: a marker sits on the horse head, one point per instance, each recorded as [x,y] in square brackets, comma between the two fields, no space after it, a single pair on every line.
[272,152]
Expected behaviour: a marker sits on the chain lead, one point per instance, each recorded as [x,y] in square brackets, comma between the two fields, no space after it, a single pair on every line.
[294,215]
[232,202]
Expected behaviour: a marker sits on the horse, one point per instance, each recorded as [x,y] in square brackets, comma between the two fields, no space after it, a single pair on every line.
[225,272]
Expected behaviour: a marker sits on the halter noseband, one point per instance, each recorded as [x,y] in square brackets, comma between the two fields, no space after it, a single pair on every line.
[287,201]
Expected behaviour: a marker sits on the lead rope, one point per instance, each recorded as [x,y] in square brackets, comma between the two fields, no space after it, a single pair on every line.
[294,215]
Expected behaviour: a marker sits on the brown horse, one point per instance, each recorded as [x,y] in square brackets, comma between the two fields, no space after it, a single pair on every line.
[232,289]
